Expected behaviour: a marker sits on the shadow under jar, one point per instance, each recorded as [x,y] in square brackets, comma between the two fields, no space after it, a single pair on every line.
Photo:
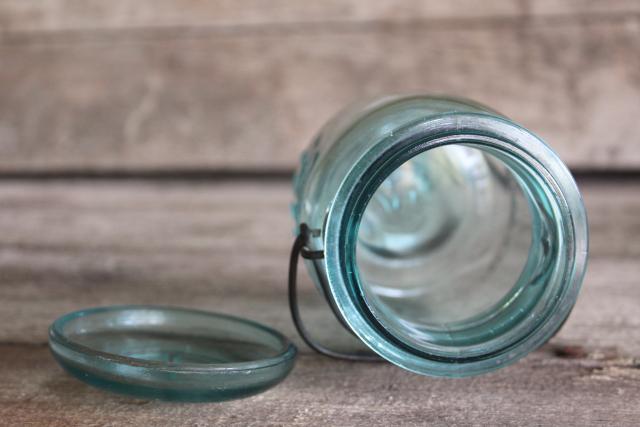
[449,239]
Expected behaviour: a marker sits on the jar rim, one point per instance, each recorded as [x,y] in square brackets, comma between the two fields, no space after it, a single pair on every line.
[372,168]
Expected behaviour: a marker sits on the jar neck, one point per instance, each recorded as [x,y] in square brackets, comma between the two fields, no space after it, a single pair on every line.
[544,300]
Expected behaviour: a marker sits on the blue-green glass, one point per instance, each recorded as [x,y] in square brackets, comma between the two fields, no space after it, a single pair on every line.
[455,241]
[170,353]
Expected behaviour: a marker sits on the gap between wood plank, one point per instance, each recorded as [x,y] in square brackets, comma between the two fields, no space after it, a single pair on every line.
[243,175]
[173,32]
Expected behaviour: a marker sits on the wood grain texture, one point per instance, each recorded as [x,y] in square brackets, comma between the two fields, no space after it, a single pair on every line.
[241,95]
[546,390]
[66,15]
[224,247]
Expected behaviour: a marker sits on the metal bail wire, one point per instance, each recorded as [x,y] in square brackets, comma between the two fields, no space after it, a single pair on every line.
[300,249]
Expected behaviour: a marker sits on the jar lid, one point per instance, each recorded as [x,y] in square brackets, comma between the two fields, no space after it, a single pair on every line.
[170,353]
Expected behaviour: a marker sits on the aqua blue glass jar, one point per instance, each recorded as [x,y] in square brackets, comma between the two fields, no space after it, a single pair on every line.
[448,239]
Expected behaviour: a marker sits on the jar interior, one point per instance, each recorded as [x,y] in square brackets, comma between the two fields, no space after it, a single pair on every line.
[455,247]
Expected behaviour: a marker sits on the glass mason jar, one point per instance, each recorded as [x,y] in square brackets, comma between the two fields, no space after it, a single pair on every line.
[447,238]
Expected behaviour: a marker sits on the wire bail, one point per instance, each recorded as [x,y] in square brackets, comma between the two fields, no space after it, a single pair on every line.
[300,249]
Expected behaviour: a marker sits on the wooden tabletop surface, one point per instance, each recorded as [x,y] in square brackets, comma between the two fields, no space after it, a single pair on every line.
[223,246]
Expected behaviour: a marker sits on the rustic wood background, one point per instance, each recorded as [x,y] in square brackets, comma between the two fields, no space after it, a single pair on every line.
[204,107]
[244,84]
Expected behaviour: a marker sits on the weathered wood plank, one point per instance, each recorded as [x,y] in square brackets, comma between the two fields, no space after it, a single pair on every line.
[64,15]
[224,247]
[596,388]
[64,246]
[252,99]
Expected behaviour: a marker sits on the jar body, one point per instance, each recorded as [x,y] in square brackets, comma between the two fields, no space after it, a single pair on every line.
[453,240]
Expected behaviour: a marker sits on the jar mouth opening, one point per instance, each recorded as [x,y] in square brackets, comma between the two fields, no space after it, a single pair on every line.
[452,248]
[456,257]
[435,332]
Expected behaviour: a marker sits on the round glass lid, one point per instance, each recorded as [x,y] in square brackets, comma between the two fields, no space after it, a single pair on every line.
[170,353]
